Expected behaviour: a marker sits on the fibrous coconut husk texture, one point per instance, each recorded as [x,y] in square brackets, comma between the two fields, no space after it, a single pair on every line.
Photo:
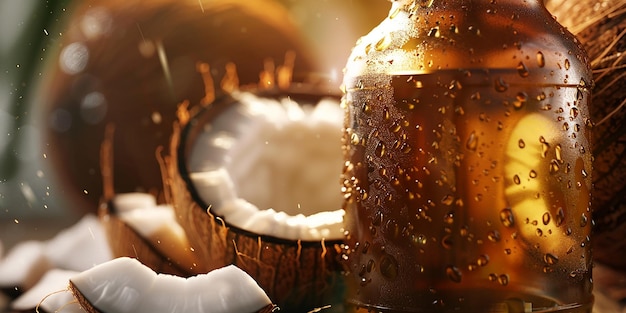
[601,26]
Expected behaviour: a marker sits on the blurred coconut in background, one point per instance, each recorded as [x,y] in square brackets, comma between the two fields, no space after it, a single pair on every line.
[75,67]
[130,63]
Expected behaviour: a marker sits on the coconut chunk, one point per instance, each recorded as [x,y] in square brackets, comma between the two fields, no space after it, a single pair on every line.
[133,200]
[76,248]
[156,224]
[50,294]
[23,265]
[125,285]
[280,168]
[80,246]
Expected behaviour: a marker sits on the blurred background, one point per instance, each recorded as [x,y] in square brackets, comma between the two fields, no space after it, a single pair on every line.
[69,68]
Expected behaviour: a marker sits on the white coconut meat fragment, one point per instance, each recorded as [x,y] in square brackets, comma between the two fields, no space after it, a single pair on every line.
[125,285]
[50,294]
[77,248]
[155,223]
[80,246]
[280,167]
[23,265]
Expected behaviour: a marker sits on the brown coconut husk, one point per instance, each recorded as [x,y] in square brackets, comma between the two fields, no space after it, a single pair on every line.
[123,240]
[297,275]
[601,27]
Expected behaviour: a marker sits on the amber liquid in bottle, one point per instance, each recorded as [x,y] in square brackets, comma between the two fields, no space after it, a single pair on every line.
[467,175]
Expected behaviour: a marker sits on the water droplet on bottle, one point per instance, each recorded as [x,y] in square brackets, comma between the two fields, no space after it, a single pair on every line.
[522,70]
[483,260]
[550,259]
[554,166]
[370,265]
[434,32]
[520,100]
[448,200]
[521,143]
[541,61]
[560,217]
[380,149]
[500,85]
[449,218]
[446,242]
[583,220]
[573,113]
[405,148]
[546,218]
[516,179]
[354,139]
[532,174]
[567,64]
[383,43]
[388,266]
[539,232]
[506,217]
[493,236]
[366,108]
[503,279]
[472,142]
[454,274]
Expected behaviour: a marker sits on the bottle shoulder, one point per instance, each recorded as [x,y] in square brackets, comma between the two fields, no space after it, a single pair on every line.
[478,37]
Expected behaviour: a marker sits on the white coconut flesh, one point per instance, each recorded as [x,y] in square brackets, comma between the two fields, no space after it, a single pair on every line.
[50,294]
[125,285]
[76,248]
[272,167]
[157,224]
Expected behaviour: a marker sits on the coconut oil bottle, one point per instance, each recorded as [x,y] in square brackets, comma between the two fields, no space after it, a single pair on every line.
[468,161]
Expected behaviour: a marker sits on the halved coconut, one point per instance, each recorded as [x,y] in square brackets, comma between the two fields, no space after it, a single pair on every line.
[137,227]
[125,285]
[255,182]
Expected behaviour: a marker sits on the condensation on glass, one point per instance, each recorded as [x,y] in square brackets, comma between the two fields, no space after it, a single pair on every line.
[467,161]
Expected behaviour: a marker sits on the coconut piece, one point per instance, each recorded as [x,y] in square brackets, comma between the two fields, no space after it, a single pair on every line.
[126,285]
[77,248]
[254,182]
[50,294]
[137,227]
[80,246]
[22,267]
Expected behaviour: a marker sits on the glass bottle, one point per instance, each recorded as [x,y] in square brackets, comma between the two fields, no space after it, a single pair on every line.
[467,174]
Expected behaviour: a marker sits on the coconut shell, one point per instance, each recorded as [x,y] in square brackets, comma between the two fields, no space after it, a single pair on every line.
[140,60]
[297,275]
[601,26]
